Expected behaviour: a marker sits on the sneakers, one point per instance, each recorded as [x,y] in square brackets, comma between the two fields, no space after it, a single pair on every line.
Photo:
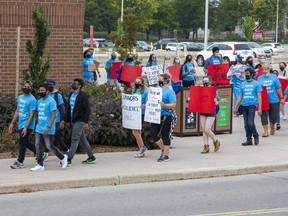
[17,165]
[141,152]
[163,158]
[278,126]
[45,156]
[64,161]
[90,160]
[38,168]
[284,117]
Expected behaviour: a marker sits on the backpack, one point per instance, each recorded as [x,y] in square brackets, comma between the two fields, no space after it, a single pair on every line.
[56,99]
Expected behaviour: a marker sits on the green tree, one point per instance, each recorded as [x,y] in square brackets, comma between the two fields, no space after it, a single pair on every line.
[248,27]
[38,68]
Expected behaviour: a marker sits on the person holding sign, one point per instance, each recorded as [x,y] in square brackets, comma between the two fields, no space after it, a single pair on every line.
[130,61]
[108,68]
[206,122]
[273,86]
[89,68]
[188,71]
[216,58]
[160,133]
[176,85]
[139,88]
[250,98]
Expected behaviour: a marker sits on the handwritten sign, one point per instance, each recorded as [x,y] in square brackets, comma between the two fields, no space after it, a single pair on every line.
[153,107]
[202,99]
[174,72]
[130,73]
[131,111]
[114,67]
[218,72]
[153,73]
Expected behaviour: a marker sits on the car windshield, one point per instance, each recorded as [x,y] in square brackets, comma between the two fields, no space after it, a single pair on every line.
[254,45]
[242,47]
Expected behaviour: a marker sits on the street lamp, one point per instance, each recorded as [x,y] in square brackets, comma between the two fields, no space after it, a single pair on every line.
[122,6]
[276,41]
[206,25]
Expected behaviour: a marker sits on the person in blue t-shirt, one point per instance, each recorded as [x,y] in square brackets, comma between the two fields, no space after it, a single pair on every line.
[25,111]
[206,122]
[216,58]
[139,89]
[89,68]
[108,68]
[176,85]
[250,98]
[188,71]
[273,90]
[160,133]
[45,129]
[152,61]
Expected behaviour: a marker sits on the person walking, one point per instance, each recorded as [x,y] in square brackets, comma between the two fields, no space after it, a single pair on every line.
[25,111]
[129,61]
[78,114]
[89,68]
[45,129]
[176,86]
[273,88]
[160,133]
[250,98]
[108,68]
[139,89]
[206,122]
[188,71]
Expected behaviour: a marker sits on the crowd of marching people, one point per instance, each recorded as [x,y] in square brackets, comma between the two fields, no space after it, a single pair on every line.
[256,88]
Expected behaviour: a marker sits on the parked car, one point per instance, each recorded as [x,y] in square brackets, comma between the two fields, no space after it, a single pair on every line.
[274,47]
[192,46]
[143,45]
[101,42]
[86,42]
[228,50]
[172,46]
[164,42]
[259,50]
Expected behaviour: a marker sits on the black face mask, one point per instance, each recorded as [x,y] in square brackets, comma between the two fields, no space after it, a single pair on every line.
[73,86]
[282,68]
[250,62]
[113,57]
[247,77]
[137,85]
[50,88]
[161,83]
[42,94]
[205,83]
[130,59]
[88,55]
[26,90]
[189,60]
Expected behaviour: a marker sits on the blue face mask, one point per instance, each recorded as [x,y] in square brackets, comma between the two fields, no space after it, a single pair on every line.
[262,61]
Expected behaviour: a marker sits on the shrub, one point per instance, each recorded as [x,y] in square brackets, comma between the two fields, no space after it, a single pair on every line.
[7,108]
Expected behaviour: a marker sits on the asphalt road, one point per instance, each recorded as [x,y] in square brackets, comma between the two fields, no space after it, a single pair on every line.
[262,194]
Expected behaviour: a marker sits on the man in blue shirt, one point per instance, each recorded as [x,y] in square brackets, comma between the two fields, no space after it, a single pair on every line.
[214,59]
[45,128]
[26,107]
[250,98]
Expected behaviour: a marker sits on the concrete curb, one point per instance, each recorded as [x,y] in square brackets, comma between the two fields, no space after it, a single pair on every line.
[143,178]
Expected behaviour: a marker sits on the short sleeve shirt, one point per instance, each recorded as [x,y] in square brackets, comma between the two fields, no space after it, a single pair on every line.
[25,105]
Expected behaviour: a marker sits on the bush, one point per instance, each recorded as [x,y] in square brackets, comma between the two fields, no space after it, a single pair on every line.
[7,108]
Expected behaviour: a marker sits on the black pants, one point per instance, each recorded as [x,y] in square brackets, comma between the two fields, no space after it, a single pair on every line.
[272,114]
[161,130]
[188,83]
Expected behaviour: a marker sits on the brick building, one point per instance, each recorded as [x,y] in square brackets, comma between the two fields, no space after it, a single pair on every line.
[66,20]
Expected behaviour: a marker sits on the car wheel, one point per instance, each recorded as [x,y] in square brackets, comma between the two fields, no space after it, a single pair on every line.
[226,59]
[200,61]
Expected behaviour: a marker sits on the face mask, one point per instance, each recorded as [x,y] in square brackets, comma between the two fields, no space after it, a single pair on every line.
[217,55]
[113,57]
[262,61]
[267,74]
[189,60]
[137,85]
[88,55]
[26,90]
[177,61]
[250,62]
[205,83]
[247,77]
[73,86]
[130,59]
[161,83]
[50,88]
[154,59]
[281,68]
[42,94]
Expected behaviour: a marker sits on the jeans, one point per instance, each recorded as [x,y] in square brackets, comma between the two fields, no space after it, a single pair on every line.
[249,125]
[59,138]
[46,140]
[78,135]
[24,142]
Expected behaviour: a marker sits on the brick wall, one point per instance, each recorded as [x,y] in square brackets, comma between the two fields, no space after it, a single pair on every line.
[65,18]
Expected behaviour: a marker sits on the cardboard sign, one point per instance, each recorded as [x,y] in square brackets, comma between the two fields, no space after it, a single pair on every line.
[114,67]
[153,74]
[284,84]
[153,107]
[131,111]
[91,67]
[96,64]
[130,73]
[218,72]
[174,72]
[202,99]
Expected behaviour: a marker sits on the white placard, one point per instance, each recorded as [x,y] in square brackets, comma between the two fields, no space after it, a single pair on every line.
[131,112]
[153,107]
[153,73]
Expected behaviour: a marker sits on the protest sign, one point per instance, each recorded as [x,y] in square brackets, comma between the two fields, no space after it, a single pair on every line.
[174,72]
[218,72]
[202,99]
[153,73]
[167,63]
[114,67]
[153,107]
[130,73]
[131,112]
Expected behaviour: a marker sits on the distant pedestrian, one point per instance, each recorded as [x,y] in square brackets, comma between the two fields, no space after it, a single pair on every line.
[206,122]
[160,133]
[283,69]
[78,114]
[216,58]
[250,98]
[45,129]
[139,89]
[188,71]
[152,61]
[108,68]
[176,85]
[25,111]
[89,68]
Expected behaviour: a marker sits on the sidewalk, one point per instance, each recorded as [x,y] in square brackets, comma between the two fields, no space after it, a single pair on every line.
[186,163]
